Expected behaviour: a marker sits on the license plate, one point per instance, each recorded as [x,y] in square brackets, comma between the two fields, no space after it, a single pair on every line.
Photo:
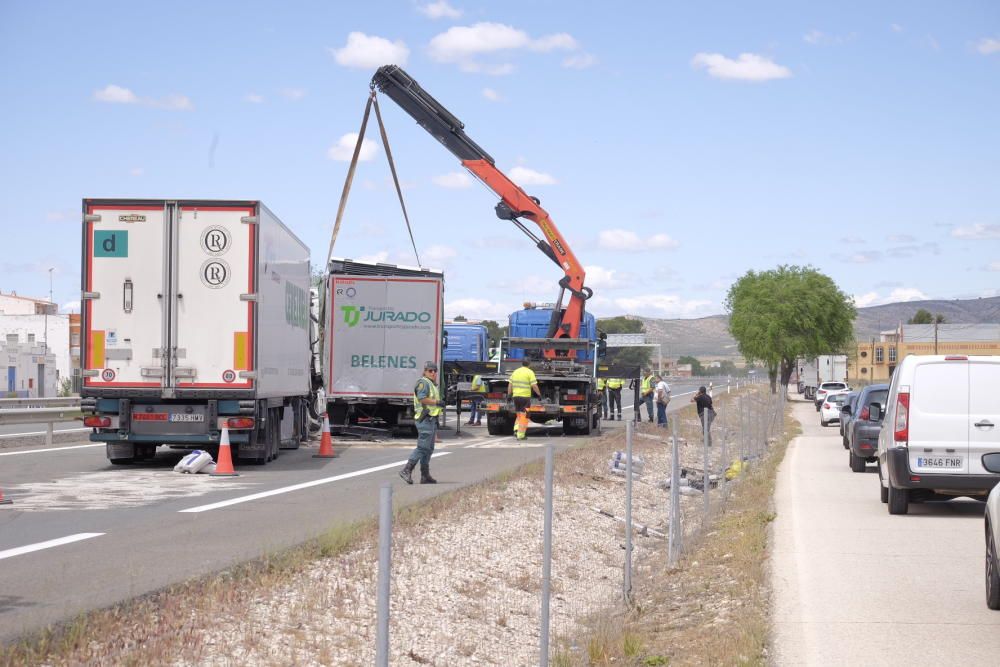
[939,462]
[187,418]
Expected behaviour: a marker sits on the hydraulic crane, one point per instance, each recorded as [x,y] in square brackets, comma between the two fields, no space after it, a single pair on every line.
[514,204]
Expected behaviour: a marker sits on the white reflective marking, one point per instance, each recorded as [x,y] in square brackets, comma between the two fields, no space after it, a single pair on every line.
[9,553]
[299,487]
[51,449]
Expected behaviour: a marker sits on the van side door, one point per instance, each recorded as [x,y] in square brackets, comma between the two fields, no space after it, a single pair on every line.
[984,412]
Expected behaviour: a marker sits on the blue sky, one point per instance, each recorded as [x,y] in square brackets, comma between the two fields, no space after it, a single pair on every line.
[676,145]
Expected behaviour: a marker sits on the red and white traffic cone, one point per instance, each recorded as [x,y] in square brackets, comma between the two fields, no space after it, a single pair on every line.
[5,501]
[224,466]
[325,442]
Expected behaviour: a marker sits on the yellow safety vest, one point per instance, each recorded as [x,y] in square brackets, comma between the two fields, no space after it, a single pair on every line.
[478,384]
[601,382]
[521,381]
[615,383]
[647,385]
[418,407]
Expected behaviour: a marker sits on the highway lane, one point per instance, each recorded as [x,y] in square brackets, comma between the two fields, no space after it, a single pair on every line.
[856,586]
[133,531]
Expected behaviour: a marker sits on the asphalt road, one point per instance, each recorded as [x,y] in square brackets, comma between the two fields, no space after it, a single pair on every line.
[83,534]
[856,586]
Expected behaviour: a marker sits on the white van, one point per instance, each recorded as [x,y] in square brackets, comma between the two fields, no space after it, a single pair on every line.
[942,416]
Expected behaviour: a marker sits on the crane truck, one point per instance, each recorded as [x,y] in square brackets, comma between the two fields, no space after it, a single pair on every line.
[564,361]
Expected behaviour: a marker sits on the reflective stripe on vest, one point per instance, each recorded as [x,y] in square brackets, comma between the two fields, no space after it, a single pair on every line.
[418,407]
[521,381]
[478,384]
[615,383]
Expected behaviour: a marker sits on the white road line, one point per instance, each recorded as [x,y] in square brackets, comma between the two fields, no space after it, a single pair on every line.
[51,449]
[10,553]
[7,436]
[298,487]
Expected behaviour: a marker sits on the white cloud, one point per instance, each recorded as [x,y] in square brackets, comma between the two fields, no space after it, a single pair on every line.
[895,27]
[112,94]
[438,255]
[628,241]
[524,176]
[600,278]
[900,294]
[253,98]
[380,257]
[662,305]
[455,179]
[293,94]
[976,231]
[478,309]
[853,240]
[136,171]
[988,45]
[343,150]
[368,51]
[70,307]
[115,95]
[865,300]
[866,257]
[993,266]
[492,95]
[579,61]
[746,67]
[439,10]
[901,238]
[462,45]
[814,37]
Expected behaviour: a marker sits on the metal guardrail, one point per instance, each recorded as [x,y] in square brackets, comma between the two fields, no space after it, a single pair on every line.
[38,411]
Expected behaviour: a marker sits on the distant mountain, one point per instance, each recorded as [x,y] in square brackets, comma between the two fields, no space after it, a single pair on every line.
[708,337]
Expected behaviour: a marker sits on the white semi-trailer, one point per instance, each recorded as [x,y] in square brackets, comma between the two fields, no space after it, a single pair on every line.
[195,316]
[383,323]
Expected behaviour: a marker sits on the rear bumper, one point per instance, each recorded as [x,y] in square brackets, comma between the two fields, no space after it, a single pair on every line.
[864,441]
[897,460]
[202,440]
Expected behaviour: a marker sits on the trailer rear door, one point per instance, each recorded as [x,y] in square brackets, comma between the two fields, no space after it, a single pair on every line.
[213,311]
[124,305]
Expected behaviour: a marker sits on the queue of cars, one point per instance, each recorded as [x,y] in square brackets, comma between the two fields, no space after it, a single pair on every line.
[933,433]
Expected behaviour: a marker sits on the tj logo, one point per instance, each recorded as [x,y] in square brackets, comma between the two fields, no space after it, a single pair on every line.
[352,314]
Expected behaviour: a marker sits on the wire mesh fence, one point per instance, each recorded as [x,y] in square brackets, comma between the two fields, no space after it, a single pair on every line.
[531,566]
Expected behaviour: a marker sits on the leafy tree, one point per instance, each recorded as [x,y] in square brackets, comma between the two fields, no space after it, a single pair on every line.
[493,330]
[923,316]
[620,324]
[696,367]
[461,318]
[780,315]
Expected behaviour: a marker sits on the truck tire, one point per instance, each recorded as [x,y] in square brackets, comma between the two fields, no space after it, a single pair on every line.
[857,463]
[899,500]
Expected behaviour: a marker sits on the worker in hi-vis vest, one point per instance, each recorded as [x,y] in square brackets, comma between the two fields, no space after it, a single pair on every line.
[522,384]
[646,390]
[476,401]
[427,405]
[615,396]
[602,396]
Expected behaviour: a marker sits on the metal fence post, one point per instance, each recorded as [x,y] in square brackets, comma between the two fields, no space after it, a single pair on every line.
[546,560]
[627,582]
[724,461]
[674,535]
[705,473]
[384,575]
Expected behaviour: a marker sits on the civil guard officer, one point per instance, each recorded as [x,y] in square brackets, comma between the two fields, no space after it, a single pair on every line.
[427,405]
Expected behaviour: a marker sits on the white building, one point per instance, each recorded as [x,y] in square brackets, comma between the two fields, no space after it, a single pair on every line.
[32,330]
[12,304]
[28,372]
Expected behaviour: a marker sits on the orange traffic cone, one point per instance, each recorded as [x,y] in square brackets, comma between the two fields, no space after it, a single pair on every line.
[224,466]
[325,442]
[5,501]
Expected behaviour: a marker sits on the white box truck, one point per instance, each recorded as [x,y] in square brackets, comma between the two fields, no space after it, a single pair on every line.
[382,323]
[195,316]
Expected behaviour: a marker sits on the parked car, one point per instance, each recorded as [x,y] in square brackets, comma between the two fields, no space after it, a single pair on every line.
[846,412]
[941,419]
[825,389]
[862,435]
[830,410]
[992,463]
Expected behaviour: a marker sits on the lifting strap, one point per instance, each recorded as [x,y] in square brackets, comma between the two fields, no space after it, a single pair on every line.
[350,179]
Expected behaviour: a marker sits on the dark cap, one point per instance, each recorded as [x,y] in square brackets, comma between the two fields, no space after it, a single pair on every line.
[430,366]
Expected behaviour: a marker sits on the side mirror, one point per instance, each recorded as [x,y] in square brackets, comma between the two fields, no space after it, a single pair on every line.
[992,462]
[874,412]
[444,340]
[846,409]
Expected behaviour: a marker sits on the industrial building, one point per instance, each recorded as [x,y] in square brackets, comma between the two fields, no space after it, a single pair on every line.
[876,360]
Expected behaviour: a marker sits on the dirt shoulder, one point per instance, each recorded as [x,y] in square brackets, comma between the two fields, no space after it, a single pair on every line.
[466,570]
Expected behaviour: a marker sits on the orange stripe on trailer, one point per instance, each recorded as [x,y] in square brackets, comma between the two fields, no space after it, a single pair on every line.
[240,350]
[96,349]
